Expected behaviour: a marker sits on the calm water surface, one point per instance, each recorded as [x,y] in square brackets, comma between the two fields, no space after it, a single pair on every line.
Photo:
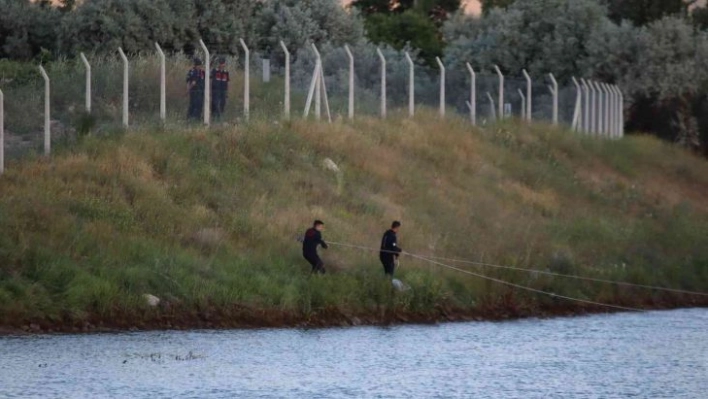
[649,355]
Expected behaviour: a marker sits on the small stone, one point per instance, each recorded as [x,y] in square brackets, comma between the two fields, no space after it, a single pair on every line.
[151,300]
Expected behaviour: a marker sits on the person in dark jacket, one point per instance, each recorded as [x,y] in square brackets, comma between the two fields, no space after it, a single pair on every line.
[313,238]
[195,88]
[390,249]
[219,88]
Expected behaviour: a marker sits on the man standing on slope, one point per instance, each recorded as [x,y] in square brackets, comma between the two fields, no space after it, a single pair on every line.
[219,88]
[390,249]
[195,88]
[313,238]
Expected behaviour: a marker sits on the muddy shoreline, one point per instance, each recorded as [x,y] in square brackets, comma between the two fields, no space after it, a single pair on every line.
[240,317]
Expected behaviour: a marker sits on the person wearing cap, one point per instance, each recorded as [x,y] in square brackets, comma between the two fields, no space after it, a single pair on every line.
[389,248]
[195,88]
[219,87]
[313,239]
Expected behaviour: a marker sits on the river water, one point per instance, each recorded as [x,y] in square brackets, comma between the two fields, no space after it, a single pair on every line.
[637,355]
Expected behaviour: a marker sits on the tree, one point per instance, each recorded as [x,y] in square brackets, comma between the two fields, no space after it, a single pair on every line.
[400,23]
[540,36]
[406,29]
[27,29]
[436,10]
[670,75]
[642,12]
[298,23]
[488,5]
[699,16]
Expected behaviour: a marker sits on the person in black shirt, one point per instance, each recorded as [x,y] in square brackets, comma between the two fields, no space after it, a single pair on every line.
[390,249]
[313,238]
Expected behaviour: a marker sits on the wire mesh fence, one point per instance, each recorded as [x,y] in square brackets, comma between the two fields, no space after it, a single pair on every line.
[263,85]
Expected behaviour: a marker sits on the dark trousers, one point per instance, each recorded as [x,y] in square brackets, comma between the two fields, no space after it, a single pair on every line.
[389,265]
[316,262]
[218,103]
[196,104]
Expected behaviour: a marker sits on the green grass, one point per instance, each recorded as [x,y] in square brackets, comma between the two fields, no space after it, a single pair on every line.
[207,219]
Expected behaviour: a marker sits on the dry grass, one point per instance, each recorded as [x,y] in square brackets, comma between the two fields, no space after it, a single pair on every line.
[209,218]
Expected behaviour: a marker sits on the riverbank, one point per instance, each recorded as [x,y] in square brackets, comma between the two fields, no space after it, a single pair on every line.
[206,221]
[239,317]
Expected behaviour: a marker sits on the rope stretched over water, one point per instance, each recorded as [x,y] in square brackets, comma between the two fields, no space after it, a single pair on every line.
[597,280]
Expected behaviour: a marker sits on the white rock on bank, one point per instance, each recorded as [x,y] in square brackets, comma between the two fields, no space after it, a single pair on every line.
[152,300]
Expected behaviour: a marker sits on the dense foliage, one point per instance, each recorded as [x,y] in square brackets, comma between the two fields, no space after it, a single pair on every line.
[660,66]
[656,50]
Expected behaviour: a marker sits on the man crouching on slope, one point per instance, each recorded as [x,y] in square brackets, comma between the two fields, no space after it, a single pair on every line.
[313,238]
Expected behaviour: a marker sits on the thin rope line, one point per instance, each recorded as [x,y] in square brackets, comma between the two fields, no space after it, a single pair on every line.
[521,287]
[598,280]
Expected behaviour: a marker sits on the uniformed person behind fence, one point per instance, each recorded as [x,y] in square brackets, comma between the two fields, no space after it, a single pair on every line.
[195,87]
[219,87]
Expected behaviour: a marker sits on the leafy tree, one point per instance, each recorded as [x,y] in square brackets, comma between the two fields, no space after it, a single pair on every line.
[298,23]
[134,25]
[27,29]
[488,5]
[642,12]
[402,22]
[670,74]
[540,36]
[437,10]
[699,16]
[408,28]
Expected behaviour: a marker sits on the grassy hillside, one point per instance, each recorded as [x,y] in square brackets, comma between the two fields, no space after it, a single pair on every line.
[207,220]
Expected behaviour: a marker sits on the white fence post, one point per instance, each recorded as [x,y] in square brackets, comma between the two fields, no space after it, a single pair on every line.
[2,133]
[473,95]
[442,86]
[163,84]
[207,83]
[523,104]
[501,92]
[383,82]
[586,106]
[603,106]
[529,96]
[599,111]
[125,87]
[593,107]
[411,85]
[492,106]
[311,91]
[608,109]
[600,108]
[612,110]
[88,83]
[265,62]
[286,104]
[246,81]
[321,87]
[318,84]
[621,112]
[577,111]
[351,81]
[47,115]
[555,98]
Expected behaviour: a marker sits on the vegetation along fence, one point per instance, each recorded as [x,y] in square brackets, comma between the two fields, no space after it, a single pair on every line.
[100,94]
